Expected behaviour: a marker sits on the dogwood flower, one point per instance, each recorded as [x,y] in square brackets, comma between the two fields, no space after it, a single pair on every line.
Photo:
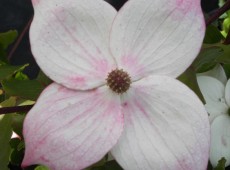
[216,91]
[114,85]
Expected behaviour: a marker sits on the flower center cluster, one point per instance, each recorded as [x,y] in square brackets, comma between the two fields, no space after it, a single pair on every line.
[118,81]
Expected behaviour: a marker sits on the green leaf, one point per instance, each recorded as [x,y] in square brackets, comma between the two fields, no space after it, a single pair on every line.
[189,78]
[207,58]
[225,56]
[41,167]
[21,76]
[209,166]
[2,97]
[5,135]
[17,152]
[97,165]
[8,70]
[3,55]
[7,38]
[221,164]
[211,55]
[43,79]
[26,89]
[14,143]
[226,26]
[212,35]
[112,165]
[227,70]
[17,123]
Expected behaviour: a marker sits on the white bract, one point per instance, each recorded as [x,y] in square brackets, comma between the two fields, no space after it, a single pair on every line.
[156,123]
[216,91]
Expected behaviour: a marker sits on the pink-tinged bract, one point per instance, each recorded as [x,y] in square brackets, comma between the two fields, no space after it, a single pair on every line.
[159,37]
[72,41]
[159,127]
[78,129]
[158,123]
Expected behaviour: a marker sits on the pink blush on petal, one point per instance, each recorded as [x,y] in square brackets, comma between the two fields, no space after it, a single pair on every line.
[179,2]
[183,3]
[35,2]
[44,159]
[185,6]
[60,13]
[183,163]
[129,60]
[132,65]
[125,104]
[101,68]
[78,80]
[141,108]
[101,65]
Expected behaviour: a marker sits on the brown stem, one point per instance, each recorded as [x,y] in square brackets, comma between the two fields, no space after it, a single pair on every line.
[218,13]
[20,38]
[7,110]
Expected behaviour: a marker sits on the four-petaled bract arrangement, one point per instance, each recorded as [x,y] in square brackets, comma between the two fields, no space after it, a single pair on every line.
[115,87]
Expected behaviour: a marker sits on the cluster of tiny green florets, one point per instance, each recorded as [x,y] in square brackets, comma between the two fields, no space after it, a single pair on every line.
[118,81]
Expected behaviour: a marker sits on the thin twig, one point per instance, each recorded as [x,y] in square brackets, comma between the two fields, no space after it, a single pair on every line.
[218,13]
[7,110]
[19,39]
